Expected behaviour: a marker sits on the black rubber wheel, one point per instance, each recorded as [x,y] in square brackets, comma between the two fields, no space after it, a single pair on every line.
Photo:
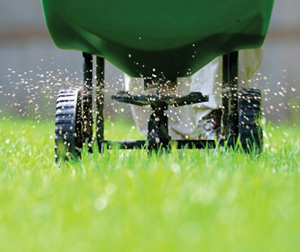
[68,125]
[250,131]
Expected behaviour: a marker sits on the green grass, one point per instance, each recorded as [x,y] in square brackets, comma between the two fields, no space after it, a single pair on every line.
[125,201]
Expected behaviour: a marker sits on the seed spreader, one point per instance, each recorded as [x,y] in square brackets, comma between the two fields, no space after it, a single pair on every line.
[138,36]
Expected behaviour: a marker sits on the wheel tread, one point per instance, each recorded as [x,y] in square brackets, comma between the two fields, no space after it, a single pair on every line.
[250,131]
[68,124]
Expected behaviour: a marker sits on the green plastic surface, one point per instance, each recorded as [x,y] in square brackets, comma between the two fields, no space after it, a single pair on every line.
[163,38]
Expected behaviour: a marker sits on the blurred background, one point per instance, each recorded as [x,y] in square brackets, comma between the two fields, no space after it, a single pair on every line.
[32,69]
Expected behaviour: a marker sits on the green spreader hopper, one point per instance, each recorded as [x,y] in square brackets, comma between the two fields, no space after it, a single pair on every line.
[174,37]
[137,35]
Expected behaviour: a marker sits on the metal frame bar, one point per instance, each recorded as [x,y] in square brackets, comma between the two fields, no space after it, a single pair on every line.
[230,119]
[225,96]
[233,97]
[88,120]
[100,85]
[142,144]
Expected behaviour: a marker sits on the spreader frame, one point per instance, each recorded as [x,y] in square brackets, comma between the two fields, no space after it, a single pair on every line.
[158,136]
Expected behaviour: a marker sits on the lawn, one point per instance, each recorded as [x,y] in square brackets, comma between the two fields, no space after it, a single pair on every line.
[188,200]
